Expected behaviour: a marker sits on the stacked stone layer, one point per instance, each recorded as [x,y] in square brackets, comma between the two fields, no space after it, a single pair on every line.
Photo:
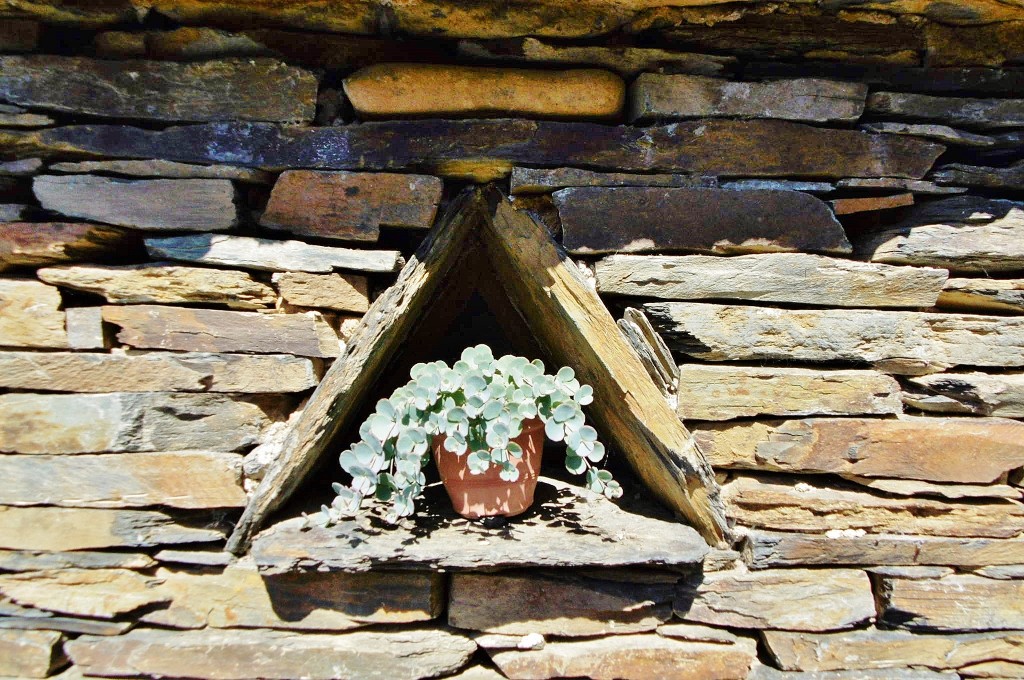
[820,209]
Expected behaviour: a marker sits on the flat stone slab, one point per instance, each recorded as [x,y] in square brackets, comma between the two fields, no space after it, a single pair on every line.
[961,111]
[566,527]
[41,243]
[983,296]
[1011,177]
[543,180]
[170,169]
[961,602]
[979,393]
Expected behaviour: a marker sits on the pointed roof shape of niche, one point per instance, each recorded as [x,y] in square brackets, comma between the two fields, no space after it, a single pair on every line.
[569,322]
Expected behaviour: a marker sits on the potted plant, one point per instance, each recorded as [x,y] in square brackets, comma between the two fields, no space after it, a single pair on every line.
[484,419]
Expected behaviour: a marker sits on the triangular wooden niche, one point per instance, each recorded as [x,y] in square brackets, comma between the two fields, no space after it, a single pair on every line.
[569,322]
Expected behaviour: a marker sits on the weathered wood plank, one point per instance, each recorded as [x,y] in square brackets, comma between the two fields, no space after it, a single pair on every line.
[651,350]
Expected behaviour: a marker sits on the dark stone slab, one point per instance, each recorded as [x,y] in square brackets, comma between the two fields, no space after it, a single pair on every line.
[641,219]
[759,148]
[566,527]
[972,80]
[1011,177]
[958,111]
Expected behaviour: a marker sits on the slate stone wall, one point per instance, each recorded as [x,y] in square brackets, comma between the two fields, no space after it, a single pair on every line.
[819,209]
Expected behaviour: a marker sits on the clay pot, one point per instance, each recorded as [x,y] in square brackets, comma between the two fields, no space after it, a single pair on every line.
[487,494]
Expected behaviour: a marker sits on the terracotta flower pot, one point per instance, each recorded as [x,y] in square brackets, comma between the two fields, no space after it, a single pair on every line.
[487,494]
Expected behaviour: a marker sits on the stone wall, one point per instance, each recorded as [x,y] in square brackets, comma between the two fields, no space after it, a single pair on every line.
[819,208]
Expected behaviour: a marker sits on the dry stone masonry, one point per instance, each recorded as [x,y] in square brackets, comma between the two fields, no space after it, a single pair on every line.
[806,218]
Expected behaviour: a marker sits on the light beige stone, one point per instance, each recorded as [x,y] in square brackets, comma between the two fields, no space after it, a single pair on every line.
[850,206]
[163,283]
[983,295]
[959,450]
[786,599]
[954,603]
[30,653]
[913,487]
[278,655]
[126,421]
[708,392]
[696,633]
[342,292]
[157,372]
[980,393]
[239,597]
[910,343]
[772,277]
[30,315]
[178,479]
[98,593]
[85,328]
[38,560]
[395,90]
[87,528]
[791,505]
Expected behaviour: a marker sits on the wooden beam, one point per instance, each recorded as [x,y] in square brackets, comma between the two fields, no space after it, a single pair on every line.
[575,328]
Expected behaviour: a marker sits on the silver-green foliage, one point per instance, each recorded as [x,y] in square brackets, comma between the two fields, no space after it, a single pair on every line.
[479,404]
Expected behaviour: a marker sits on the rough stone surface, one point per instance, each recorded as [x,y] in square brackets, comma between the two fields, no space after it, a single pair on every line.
[350,205]
[839,598]
[29,560]
[776,277]
[658,97]
[19,35]
[270,255]
[542,181]
[962,233]
[212,330]
[897,673]
[148,204]
[30,654]
[179,479]
[779,184]
[99,593]
[43,620]
[170,169]
[245,654]
[239,598]
[85,328]
[163,283]
[696,633]
[972,451]
[900,342]
[938,133]
[850,206]
[157,372]
[13,212]
[636,657]
[979,393]
[983,295]
[873,648]
[554,604]
[489,148]
[766,549]
[237,89]
[916,186]
[398,90]
[970,113]
[628,62]
[341,292]
[42,243]
[913,487]
[26,167]
[88,528]
[16,117]
[124,421]
[30,315]
[726,392]
[955,603]
[602,534]
[639,219]
[790,505]
[1010,177]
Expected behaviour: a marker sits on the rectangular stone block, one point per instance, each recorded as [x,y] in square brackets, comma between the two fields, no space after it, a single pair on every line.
[85,328]
[124,421]
[644,219]
[958,450]
[766,549]
[350,206]
[786,599]
[910,343]
[147,204]
[246,654]
[341,292]
[239,597]
[231,89]
[777,277]
[40,528]
[214,330]
[30,560]
[962,234]
[155,167]
[30,653]
[157,372]
[441,91]
[30,315]
[789,505]
[955,603]
[851,206]
[985,114]
[654,96]
[545,181]
[979,393]
[43,243]
[725,392]
[983,296]
[271,255]
[178,479]
[558,605]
